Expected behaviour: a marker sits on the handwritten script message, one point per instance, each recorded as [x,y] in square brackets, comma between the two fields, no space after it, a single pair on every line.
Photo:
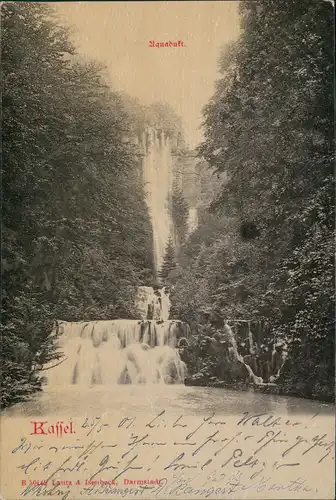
[169,456]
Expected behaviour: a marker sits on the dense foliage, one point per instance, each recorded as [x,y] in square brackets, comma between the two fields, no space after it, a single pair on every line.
[180,213]
[76,233]
[267,250]
[159,115]
[169,262]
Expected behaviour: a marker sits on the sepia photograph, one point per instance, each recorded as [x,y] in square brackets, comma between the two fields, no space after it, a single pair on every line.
[168,243]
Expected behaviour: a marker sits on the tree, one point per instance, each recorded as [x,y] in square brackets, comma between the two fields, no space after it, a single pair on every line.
[169,261]
[76,229]
[162,116]
[269,127]
[180,213]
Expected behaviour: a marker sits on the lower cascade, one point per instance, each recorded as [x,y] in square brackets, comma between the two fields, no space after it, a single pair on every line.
[137,351]
[120,351]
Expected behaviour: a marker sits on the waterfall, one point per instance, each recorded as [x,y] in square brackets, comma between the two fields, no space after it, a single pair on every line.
[165,304]
[250,336]
[192,222]
[120,351]
[153,304]
[157,171]
[231,337]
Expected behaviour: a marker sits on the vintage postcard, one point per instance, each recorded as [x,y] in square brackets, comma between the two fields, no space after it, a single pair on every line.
[168,250]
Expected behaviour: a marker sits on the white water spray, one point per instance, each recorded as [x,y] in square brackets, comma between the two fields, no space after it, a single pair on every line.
[153,304]
[158,178]
[120,351]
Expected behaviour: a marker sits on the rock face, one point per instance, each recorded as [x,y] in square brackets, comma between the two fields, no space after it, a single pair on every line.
[198,183]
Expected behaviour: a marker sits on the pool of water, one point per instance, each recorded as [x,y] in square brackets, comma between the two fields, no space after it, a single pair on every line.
[149,426]
[75,401]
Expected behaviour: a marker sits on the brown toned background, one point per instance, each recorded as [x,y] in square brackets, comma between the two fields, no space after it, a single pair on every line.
[117,34]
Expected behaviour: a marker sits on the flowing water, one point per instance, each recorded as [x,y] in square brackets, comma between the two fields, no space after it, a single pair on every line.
[121,351]
[157,172]
[192,222]
[153,304]
[133,366]
[115,352]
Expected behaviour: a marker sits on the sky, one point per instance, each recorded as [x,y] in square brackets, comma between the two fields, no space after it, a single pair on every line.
[118,34]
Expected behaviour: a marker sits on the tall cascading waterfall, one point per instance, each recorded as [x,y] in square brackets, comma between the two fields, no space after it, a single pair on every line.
[158,178]
[125,351]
